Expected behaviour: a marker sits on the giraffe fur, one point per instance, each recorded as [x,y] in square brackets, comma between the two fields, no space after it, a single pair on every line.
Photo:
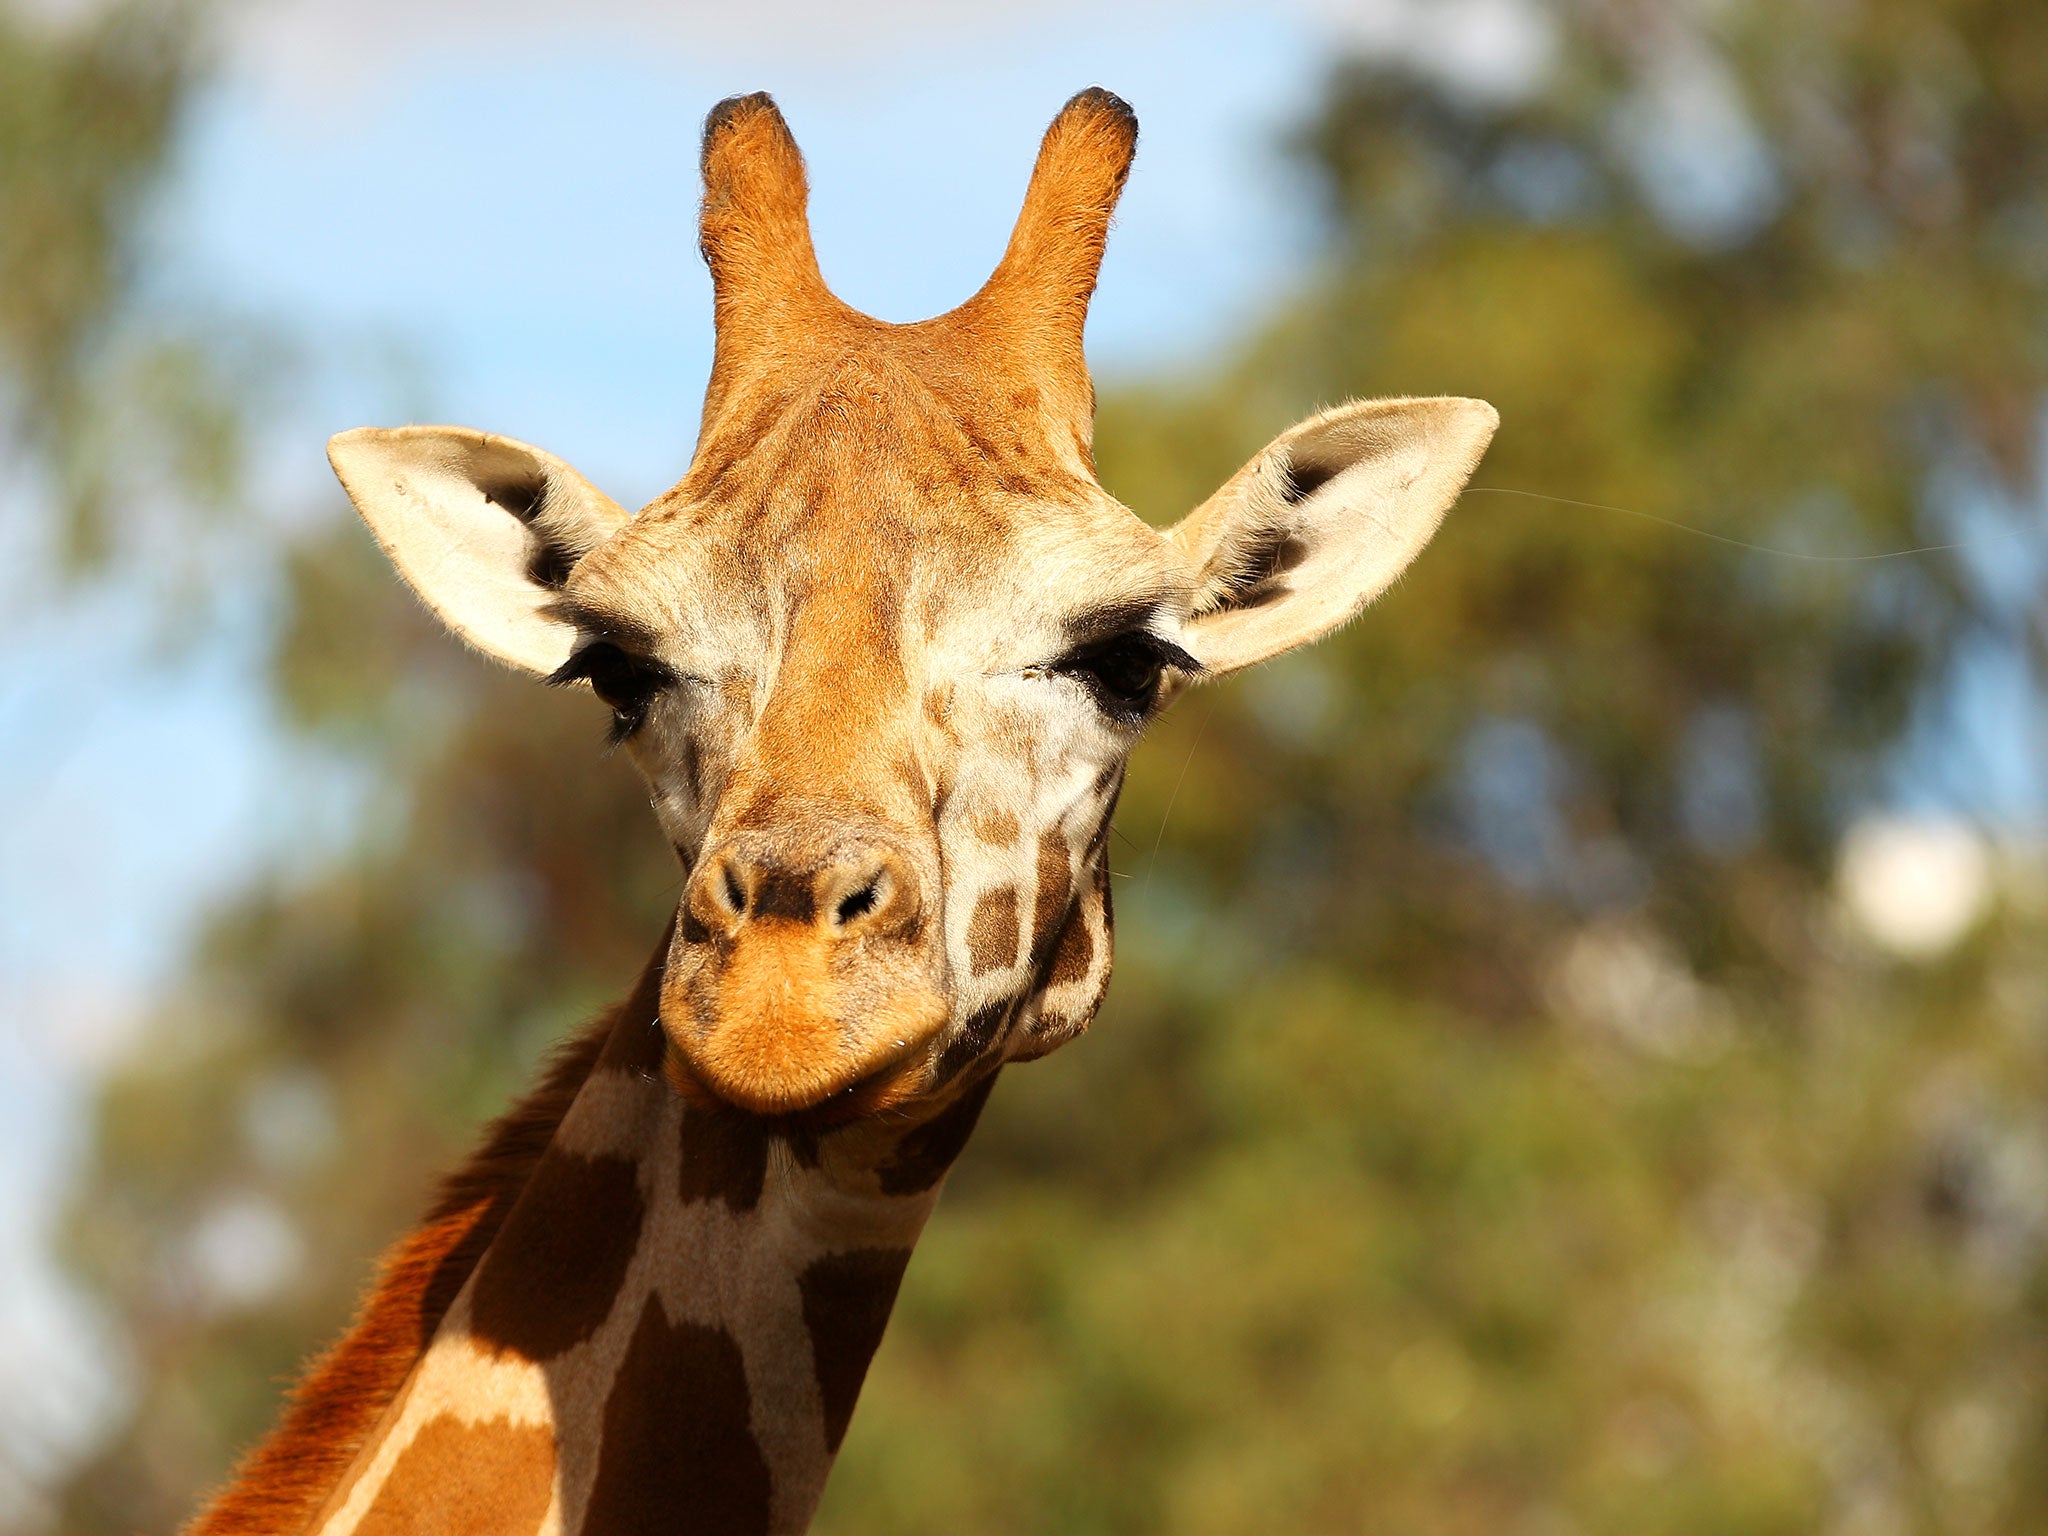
[881,657]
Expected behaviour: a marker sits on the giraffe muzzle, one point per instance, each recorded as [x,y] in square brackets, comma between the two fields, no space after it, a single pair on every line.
[795,982]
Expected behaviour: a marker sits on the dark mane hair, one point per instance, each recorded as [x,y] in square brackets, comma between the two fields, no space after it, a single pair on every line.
[280,1485]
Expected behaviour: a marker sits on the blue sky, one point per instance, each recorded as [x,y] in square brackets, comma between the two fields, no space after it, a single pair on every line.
[524,227]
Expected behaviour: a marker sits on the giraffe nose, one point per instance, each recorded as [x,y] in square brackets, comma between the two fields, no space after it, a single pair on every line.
[865,889]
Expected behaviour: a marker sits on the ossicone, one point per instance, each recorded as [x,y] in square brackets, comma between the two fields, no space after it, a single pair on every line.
[771,305]
[755,228]
[1048,272]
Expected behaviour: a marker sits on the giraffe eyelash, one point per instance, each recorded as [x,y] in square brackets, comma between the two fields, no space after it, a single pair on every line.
[1122,673]
[624,681]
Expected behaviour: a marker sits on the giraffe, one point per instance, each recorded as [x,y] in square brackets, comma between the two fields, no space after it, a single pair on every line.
[881,657]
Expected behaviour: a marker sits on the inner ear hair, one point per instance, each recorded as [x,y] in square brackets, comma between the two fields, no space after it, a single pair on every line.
[557,538]
[1249,566]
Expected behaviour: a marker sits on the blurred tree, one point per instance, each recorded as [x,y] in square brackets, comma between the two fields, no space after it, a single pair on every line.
[1495,1125]
[113,402]
[105,395]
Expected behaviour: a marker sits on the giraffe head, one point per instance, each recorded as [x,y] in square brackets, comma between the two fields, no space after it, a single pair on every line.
[883,652]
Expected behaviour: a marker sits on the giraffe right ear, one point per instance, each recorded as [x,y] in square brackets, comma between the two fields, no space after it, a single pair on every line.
[483,528]
[1322,521]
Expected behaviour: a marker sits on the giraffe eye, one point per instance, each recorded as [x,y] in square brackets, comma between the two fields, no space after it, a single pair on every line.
[1123,672]
[626,682]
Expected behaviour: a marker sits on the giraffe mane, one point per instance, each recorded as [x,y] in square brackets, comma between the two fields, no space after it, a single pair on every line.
[282,1483]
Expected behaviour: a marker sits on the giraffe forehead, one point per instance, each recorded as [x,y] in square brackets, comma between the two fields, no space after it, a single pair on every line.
[883,598]
[893,505]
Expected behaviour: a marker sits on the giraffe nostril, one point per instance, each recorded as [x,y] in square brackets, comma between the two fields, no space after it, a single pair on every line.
[720,892]
[858,905]
[873,894]
[865,892]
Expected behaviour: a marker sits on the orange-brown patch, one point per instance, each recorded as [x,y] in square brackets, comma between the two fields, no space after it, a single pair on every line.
[992,932]
[914,778]
[1056,1026]
[996,828]
[778,1031]
[456,1479]
[839,682]
[1055,892]
[1076,953]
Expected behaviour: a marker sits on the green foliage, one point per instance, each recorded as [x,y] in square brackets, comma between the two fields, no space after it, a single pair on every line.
[84,120]
[1493,1127]
[120,409]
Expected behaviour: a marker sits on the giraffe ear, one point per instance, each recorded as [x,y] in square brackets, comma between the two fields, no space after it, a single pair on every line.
[1322,521]
[483,528]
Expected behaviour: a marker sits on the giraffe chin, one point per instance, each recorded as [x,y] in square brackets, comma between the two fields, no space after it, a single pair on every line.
[773,1026]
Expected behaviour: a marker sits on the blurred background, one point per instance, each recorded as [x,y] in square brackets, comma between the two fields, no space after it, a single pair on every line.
[1578,1053]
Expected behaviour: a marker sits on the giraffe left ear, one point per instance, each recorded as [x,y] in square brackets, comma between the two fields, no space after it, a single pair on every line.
[483,528]
[1322,521]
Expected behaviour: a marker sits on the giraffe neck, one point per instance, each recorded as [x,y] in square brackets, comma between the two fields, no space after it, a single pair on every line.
[666,1333]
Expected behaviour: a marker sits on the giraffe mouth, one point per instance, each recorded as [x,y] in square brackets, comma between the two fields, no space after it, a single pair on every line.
[886,1088]
[779,1023]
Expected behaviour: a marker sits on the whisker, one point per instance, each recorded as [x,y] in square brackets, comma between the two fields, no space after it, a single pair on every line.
[1722,538]
[1152,862]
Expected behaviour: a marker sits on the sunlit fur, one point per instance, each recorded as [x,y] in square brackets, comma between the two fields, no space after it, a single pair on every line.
[867,573]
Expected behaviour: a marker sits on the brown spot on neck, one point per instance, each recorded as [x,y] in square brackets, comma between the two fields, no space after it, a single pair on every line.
[553,1275]
[679,1456]
[847,1300]
[922,1157]
[724,1157]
